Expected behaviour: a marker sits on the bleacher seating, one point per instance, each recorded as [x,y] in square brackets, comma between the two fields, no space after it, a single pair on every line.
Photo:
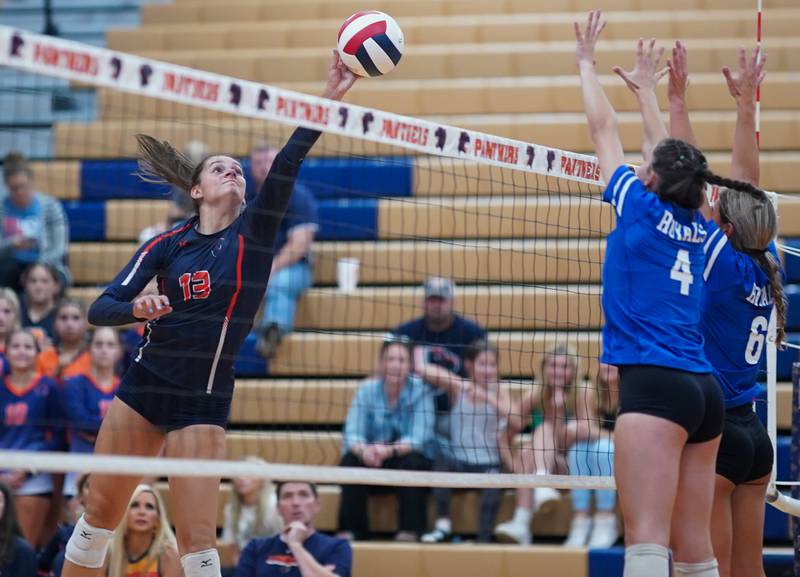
[501,66]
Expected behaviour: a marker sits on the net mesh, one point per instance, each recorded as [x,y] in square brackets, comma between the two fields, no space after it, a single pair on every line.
[518,227]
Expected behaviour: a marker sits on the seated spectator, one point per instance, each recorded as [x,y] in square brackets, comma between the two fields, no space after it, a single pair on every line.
[563,414]
[9,321]
[250,512]
[41,287]
[51,558]
[440,337]
[181,206]
[595,456]
[17,558]
[299,551]
[85,398]
[480,409]
[34,226]
[29,409]
[69,356]
[389,425]
[143,544]
[291,274]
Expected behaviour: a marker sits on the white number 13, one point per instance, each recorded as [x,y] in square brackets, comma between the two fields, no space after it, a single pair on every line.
[682,271]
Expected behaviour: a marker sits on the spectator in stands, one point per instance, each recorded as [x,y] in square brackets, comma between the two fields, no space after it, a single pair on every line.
[251,511]
[34,226]
[291,266]
[69,356]
[299,551]
[144,545]
[562,413]
[28,409]
[9,321]
[17,558]
[51,558]
[595,456]
[480,411]
[41,287]
[389,425]
[181,206]
[86,398]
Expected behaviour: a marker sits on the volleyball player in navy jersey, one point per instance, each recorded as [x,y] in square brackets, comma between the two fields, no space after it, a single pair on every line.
[212,272]
[743,284]
[671,407]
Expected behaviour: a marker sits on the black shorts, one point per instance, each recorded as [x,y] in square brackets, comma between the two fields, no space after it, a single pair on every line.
[745,453]
[169,406]
[692,400]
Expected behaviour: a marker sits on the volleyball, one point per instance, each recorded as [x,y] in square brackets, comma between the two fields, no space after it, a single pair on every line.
[370,43]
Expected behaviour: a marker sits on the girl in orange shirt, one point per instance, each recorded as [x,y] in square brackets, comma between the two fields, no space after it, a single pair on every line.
[70,356]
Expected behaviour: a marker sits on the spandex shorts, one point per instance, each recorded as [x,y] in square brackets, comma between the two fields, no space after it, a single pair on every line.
[171,407]
[692,400]
[745,452]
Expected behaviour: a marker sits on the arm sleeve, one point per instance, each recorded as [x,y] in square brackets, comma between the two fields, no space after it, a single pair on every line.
[419,427]
[77,414]
[355,427]
[114,306]
[626,193]
[263,216]
[341,557]
[246,567]
[56,232]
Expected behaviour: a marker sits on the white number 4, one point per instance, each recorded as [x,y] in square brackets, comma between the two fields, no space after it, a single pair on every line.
[682,271]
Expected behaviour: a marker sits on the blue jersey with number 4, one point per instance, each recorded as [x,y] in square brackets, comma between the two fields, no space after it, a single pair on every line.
[652,280]
[736,308]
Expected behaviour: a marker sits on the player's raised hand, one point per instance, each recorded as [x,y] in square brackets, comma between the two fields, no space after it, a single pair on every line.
[150,307]
[678,67]
[743,85]
[646,73]
[586,39]
[340,79]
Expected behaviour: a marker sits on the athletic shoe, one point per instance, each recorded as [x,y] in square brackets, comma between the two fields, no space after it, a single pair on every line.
[513,532]
[579,530]
[405,537]
[436,536]
[604,531]
[269,340]
[546,499]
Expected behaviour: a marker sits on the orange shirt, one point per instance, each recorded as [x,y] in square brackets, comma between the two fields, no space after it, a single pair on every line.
[47,364]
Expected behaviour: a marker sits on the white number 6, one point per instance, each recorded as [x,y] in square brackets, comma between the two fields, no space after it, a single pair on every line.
[755,344]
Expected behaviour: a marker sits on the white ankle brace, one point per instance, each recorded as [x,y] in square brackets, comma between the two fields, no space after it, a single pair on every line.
[646,560]
[88,546]
[708,568]
[201,564]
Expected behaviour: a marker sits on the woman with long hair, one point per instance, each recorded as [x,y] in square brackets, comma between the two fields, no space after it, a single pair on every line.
[17,558]
[69,355]
[144,544]
[212,271]
[41,286]
[9,321]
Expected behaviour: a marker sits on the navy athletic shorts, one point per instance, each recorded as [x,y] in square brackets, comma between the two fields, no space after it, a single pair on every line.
[745,452]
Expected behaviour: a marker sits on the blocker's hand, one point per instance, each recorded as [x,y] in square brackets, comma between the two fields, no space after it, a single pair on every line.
[150,307]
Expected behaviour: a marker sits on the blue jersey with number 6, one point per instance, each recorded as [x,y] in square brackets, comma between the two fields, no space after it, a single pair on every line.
[652,280]
[736,309]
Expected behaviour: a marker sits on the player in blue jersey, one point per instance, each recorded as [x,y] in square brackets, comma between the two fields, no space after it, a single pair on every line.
[28,409]
[743,284]
[671,407]
[212,271]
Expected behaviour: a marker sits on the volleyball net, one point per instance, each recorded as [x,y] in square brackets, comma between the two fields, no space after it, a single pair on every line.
[518,227]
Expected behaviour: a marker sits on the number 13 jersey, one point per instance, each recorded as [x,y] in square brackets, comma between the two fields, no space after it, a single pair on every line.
[652,280]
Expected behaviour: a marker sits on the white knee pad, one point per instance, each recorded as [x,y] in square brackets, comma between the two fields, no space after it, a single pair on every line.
[88,546]
[708,568]
[646,560]
[201,564]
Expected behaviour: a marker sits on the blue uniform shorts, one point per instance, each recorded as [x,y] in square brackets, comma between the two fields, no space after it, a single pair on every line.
[171,407]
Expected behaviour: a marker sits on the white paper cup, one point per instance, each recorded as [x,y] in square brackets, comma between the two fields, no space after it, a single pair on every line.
[347,274]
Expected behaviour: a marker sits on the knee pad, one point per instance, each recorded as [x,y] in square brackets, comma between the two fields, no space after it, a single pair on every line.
[201,564]
[646,560]
[708,568]
[88,546]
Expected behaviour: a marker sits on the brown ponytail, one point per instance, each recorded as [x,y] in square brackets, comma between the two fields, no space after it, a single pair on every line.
[769,264]
[161,163]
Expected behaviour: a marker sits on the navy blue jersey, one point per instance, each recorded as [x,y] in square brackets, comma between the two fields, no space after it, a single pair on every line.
[215,284]
[652,280]
[736,309]
[444,348]
[29,415]
[84,403]
[271,557]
